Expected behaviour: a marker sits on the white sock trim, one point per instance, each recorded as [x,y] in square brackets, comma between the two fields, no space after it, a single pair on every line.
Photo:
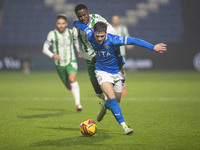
[123,125]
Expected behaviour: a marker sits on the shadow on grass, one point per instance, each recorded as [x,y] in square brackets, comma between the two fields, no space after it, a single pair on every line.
[59,112]
[102,131]
[60,128]
[46,109]
[73,141]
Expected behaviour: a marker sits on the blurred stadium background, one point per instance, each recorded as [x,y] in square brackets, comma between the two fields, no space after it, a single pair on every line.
[37,112]
[24,25]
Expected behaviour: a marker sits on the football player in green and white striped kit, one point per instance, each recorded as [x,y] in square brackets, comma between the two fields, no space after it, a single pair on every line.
[84,47]
[121,31]
[61,41]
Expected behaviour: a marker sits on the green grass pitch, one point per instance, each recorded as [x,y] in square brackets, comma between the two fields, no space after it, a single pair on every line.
[37,112]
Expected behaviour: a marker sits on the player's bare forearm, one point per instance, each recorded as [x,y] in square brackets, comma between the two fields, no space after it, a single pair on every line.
[128,47]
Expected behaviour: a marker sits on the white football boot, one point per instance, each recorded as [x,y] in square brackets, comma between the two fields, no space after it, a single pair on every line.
[127,130]
[79,107]
[102,112]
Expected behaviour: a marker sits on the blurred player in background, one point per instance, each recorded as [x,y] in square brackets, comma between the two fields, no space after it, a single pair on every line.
[121,31]
[61,41]
[109,71]
[26,63]
[84,47]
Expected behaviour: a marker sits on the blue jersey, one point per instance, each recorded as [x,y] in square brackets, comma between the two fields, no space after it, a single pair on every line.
[108,54]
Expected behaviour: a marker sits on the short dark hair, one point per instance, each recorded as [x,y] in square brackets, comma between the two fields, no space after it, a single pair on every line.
[100,27]
[62,16]
[80,7]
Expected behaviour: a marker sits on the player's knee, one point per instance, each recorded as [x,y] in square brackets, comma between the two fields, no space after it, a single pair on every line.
[72,79]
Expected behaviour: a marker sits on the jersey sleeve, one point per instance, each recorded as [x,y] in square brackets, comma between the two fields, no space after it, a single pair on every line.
[139,42]
[118,40]
[88,31]
[47,44]
[78,45]
[122,40]
[100,18]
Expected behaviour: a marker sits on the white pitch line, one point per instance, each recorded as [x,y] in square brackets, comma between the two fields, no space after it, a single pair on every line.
[95,98]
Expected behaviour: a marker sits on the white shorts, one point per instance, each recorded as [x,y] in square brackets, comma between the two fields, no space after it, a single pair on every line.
[117,80]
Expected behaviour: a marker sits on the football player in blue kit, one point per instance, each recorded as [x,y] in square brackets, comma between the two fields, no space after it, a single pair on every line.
[109,63]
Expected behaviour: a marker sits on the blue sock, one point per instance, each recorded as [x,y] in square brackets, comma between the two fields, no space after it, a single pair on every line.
[113,106]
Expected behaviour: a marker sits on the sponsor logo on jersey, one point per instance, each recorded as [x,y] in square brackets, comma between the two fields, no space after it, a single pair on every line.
[103,53]
[117,114]
[88,31]
[107,46]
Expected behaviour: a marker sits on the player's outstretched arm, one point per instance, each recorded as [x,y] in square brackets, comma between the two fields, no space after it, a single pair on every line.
[88,31]
[139,42]
[160,48]
[80,25]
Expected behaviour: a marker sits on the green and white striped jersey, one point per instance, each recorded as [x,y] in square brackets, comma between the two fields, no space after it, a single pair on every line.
[81,42]
[62,45]
[122,31]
